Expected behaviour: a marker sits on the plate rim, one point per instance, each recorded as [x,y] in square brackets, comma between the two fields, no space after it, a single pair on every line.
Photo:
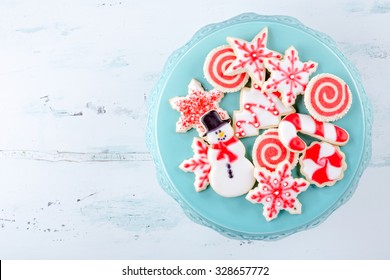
[153,101]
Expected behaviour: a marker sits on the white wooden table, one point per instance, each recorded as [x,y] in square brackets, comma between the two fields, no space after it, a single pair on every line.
[76,179]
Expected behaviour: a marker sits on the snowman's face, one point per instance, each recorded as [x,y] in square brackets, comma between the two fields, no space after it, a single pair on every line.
[222,134]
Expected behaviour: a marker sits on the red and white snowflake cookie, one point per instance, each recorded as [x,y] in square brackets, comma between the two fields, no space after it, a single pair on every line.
[216,63]
[289,76]
[323,164]
[258,110]
[268,151]
[251,56]
[327,97]
[198,164]
[193,106]
[277,190]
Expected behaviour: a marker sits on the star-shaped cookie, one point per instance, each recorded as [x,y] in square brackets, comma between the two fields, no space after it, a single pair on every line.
[195,105]
[251,56]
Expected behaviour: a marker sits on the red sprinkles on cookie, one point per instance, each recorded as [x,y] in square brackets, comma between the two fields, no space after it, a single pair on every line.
[195,105]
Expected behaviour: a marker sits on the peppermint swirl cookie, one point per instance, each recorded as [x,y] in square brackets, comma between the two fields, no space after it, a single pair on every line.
[327,97]
[217,61]
[268,151]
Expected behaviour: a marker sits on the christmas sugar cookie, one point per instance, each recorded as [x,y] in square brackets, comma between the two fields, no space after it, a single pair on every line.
[259,110]
[289,76]
[231,173]
[277,190]
[327,97]
[199,164]
[268,151]
[194,105]
[251,56]
[323,164]
[306,124]
[217,62]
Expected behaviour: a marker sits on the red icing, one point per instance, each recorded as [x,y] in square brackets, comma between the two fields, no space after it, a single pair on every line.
[332,94]
[223,58]
[275,152]
[199,161]
[224,152]
[342,135]
[294,119]
[335,160]
[195,105]
[313,152]
[320,175]
[297,144]
[290,75]
[256,122]
[319,128]
[275,189]
[254,54]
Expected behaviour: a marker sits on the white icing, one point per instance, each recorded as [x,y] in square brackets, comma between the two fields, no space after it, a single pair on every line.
[289,76]
[225,131]
[309,167]
[266,118]
[287,131]
[276,189]
[242,169]
[201,179]
[255,68]
[195,85]
[222,57]
[326,150]
[308,125]
[325,97]
[333,173]
[330,132]
[271,146]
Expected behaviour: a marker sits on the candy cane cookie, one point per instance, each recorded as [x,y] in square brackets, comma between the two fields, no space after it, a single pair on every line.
[306,124]
[216,63]
[327,97]
[323,164]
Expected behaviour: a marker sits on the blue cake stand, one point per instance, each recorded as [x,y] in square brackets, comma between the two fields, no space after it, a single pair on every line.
[236,217]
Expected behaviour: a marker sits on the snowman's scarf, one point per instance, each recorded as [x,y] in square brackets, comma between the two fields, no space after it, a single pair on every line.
[224,151]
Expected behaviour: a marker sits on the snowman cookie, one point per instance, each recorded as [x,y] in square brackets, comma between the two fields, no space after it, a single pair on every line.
[231,173]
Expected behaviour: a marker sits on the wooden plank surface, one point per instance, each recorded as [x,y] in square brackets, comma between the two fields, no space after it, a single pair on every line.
[76,180]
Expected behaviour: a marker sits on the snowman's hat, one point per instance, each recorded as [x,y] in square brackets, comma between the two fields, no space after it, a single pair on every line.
[212,121]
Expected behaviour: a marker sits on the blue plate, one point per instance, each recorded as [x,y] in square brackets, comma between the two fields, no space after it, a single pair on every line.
[236,217]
